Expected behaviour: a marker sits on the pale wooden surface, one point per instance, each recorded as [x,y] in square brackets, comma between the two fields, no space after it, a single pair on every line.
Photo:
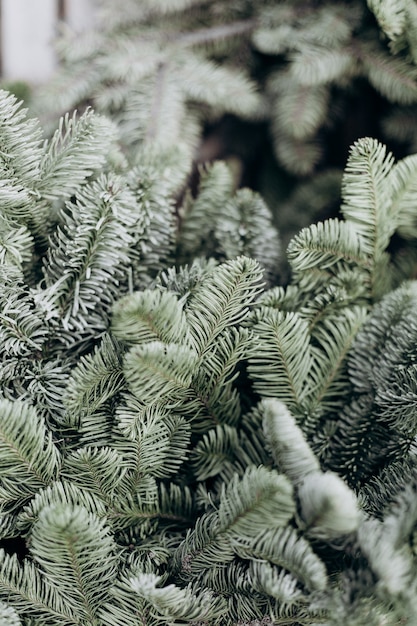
[28,28]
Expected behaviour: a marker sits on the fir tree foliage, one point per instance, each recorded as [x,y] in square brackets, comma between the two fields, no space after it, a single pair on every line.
[188,444]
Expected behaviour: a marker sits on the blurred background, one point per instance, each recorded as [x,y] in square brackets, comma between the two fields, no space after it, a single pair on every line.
[27,31]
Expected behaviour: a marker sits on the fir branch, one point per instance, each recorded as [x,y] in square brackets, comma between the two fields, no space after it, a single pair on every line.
[287,549]
[98,470]
[216,33]
[393,77]
[16,245]
[128,502]
[333,339]
[148,316]
[29,458]
[212,397]
[155,441]
[215,189]
[97,377]
[391,16]
[291,453]
[402,181]
[317,65]
[77,149]
[173,603]
[283,356]
[259,498]
[23,586]
[223,89]
[59,493]
[157,372]
[23,331]
[397,404]
[328,508]
[324,245]
[82,565]
[222,300]
[21,145]
[301,109]
[87,284]
[300,157]
[214,451]
[366,197]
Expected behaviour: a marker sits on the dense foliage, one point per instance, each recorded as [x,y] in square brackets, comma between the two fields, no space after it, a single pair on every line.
[186,436]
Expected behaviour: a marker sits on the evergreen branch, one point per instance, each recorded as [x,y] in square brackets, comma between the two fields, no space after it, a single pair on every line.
[60,493]
[173,603]
[70,87]
[165,94]
[317,65]
[379,493]
[218,368]
[402,181]
[125,605]
[29,457]
[285,548]
[158,372]
[17,201]
[117,478]
[98,470]
[222,300]
[77,149]
[223,89]
[391,16]
[291,453]
[214,451]
[283,356]
[215,33]
[286,27]
[16,245]
[96,378]
[40,382]
[260,498]
[176,505]
[358,430]
[154,181]
[334,337]
[300,157]
[23,331]
[203,548]
[148,316]
[367,201]
[380,543]
[301,109]
[21,151]
[246,228]
[394,335]
[213,399]
[200,216]
[393,77]
[324,245]
[328,508]
[84,269]
[156,442]
[31,595]
[276,584]
[82,564]
[397,404]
